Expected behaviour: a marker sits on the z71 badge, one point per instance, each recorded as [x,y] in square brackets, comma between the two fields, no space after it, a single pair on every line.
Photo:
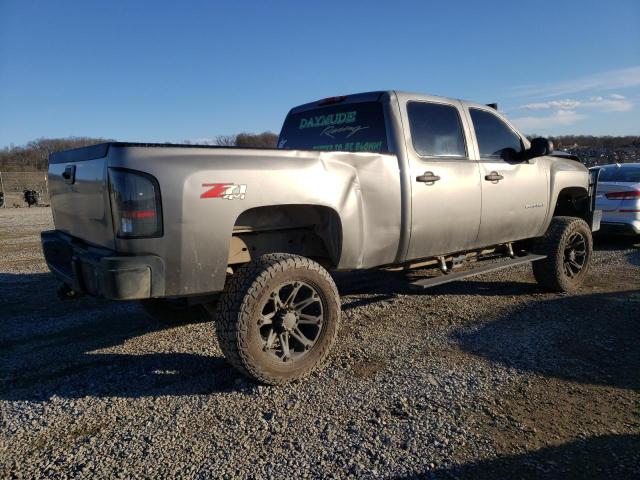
[228,191]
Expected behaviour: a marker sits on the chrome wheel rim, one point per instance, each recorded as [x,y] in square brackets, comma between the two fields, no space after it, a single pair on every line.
[575,255]
[291,321]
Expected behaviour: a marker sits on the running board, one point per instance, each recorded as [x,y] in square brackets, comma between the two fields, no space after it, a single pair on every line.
[452,277]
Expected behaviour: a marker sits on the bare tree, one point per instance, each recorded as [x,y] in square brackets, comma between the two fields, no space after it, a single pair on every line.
[248,140]
[226,140]
[257,140]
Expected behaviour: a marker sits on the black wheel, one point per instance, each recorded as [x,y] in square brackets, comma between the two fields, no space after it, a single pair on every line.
[569,246]
[176,311]
[278,318]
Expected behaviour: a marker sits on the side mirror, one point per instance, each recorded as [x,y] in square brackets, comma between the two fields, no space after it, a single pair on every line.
[540,147]
[509,155]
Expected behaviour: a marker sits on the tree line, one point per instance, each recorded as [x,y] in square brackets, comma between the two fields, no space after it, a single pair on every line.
[592,141]
[248,140]
[35,154]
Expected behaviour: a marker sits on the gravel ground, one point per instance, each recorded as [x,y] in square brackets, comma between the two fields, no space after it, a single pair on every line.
[487,378]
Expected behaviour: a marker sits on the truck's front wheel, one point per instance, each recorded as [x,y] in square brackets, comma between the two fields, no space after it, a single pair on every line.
[568,246]
[278,318]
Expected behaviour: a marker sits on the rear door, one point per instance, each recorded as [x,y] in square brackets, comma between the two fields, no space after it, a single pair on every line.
[514,194]
[445,185]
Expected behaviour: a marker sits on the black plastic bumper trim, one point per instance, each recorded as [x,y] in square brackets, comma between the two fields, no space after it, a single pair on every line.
[102,272]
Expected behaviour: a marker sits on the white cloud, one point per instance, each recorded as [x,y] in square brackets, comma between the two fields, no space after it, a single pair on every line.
[611,103]
[613,79]
[541,124]
[560,104]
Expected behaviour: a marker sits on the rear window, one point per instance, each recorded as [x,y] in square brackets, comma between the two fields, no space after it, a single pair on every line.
[436,130]
[620,174]
[352,127]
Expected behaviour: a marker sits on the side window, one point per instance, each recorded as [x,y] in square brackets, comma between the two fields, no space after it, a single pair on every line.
[493,134]
[436,130]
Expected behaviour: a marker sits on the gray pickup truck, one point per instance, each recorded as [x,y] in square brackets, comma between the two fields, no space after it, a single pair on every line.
[373,180]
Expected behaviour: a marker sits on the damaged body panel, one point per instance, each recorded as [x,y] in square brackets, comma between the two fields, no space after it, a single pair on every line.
[350,201]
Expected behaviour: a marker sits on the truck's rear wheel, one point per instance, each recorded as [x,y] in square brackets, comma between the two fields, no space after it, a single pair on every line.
[176,311]
[569,246]
[278,318]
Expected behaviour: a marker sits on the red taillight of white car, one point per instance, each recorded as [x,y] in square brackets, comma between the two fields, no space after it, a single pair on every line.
[628,195]
[135,204]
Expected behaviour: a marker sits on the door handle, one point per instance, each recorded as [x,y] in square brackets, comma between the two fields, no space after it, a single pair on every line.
[428,178]
[493,177]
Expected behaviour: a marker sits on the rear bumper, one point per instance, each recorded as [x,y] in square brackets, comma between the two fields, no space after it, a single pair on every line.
[102,272]
[620,228]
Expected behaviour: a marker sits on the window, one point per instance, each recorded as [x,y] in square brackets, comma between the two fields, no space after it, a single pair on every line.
[625,173]
[493,134]
[350,127]
[436,130]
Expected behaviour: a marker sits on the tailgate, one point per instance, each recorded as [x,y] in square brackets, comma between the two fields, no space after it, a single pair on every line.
[79,194]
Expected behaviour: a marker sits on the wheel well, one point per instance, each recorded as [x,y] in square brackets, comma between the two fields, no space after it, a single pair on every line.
[572,202]
[313,231]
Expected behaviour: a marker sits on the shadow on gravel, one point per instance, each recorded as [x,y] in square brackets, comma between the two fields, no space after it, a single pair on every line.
[386,285]
[487,289]
[588,338]
[605,457]
[366,301]
[603,241]
[46,348]
[621,243]
[618,242]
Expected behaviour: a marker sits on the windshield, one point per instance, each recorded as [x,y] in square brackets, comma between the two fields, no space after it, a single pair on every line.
[351,127]
[625,173]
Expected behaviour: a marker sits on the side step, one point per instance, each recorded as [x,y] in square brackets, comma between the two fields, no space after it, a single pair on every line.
[452,277]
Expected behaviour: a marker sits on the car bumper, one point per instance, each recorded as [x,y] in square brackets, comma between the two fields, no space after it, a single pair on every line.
[102,272]
[620,228]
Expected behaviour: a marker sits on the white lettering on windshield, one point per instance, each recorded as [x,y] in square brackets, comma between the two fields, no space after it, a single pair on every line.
[350,130]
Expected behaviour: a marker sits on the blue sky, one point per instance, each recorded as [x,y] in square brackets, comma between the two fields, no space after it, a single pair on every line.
[170,71]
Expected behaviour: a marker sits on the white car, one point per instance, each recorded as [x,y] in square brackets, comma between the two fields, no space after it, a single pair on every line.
[618,197]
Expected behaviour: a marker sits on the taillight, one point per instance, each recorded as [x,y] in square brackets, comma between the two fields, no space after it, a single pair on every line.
[135,204]
[628,195]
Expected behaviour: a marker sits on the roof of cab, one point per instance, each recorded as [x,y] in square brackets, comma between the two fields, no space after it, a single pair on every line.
[375,96]
[353,98]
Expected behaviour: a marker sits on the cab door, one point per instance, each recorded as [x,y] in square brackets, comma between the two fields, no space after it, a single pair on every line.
[445,181]
[514,192]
